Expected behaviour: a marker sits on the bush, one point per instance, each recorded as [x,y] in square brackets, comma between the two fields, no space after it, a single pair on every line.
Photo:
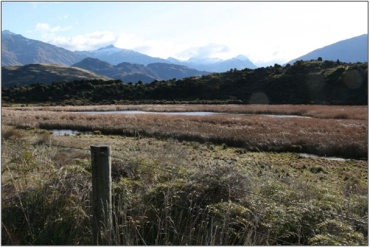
[333,232]
[12,133]
[58,213]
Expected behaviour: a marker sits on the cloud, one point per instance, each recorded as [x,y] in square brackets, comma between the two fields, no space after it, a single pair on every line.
[130,41]
[207,51]
[45,28]
[89,41]
[151,47]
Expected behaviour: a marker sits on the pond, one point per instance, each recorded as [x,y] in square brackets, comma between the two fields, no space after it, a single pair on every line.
[63,132]
[285,116]
[193,113]
[305,155]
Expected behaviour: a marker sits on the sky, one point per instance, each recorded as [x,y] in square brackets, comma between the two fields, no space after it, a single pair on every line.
[265,32]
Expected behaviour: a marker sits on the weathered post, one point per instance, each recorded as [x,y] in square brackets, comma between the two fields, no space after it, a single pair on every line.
[101,194]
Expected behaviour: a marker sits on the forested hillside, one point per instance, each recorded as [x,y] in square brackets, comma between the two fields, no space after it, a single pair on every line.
[309,82]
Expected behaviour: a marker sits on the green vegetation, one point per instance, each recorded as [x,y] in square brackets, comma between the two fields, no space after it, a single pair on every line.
[310,82]
[169,192]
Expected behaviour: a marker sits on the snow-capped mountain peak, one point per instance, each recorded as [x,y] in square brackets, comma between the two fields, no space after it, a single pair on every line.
[110,49]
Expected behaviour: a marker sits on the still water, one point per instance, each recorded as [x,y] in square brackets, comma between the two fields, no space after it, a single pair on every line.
[196,113]
[193,113]
[63,132]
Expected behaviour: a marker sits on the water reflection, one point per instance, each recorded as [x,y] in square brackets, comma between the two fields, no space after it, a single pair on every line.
[197,113]
[63,132]
[193,113]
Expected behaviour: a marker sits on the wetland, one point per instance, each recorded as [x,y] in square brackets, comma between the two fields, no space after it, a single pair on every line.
[238,178]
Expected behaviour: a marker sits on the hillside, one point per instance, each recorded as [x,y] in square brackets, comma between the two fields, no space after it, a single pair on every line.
[44,73]
[18,50]
[128,72]
[351,50]
[311,82]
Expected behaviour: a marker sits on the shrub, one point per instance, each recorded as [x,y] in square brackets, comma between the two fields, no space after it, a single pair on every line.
[333,232]
[57,213]
[12,133]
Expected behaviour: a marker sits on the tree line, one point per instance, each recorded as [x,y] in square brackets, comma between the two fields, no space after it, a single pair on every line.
[304,82]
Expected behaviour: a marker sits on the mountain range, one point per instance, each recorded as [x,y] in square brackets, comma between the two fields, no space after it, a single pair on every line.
[129,72]
[216,65]
[132,66]
[18,50]
[114,55]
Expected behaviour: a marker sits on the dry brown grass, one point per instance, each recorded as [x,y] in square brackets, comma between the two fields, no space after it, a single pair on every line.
[332,130]
[179,193]
[317,111]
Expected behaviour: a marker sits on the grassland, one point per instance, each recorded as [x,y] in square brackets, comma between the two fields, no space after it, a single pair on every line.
[329,131]
[186,180]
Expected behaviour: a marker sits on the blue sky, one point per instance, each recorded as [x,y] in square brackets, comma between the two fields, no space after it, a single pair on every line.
[265,32]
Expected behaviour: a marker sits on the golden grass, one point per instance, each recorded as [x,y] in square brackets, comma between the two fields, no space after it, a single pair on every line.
[180,193]
[331,130]
[317,111]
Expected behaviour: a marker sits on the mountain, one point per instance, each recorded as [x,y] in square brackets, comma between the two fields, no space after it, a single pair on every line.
[216,65]
[129,72]
[18,50]
[114,55]
[44,73]
[350,50]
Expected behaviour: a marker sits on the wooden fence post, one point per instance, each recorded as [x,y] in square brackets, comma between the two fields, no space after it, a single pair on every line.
[101,194]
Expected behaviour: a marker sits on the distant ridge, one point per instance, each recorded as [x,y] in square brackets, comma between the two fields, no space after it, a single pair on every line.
[45,73]
[216,65]
[350,50]
[129,72]
[114,55]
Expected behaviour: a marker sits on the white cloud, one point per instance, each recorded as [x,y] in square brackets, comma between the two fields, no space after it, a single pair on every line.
[45,28]
[130,41]
[208,51]
[152,47]
[89,41]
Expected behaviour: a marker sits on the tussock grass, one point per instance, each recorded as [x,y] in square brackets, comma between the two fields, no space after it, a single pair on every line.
[327,133]
[317,111]
[168,192]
